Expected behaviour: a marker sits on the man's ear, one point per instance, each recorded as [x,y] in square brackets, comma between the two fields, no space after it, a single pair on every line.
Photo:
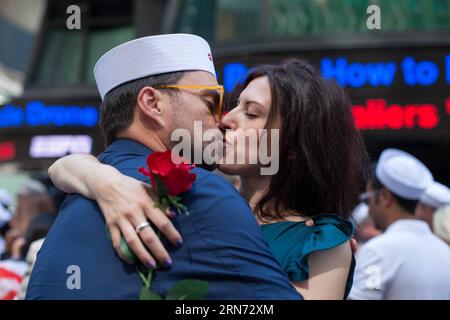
[151,103]
[430,211]
[386,197]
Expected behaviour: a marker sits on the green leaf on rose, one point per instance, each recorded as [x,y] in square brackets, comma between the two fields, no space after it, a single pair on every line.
[165,202]
[126,251]
[188,290]
[160,187]
[146,294]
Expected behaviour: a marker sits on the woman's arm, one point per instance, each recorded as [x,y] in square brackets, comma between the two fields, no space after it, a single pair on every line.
[76,173]
[328,274]
[124,201]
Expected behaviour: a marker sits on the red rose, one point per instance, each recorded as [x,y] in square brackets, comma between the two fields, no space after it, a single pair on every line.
[176,178]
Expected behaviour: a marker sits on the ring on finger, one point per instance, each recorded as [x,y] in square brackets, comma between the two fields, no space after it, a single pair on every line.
[142,226]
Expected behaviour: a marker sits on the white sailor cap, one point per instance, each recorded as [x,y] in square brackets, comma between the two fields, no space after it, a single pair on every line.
[5,197]
[403,174]
[5,201]
[152,55]
[436,195]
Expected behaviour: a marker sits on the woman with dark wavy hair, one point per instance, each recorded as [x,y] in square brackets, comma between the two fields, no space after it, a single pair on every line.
[303,208]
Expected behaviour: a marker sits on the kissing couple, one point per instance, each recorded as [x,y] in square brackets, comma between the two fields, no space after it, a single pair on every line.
[280,236]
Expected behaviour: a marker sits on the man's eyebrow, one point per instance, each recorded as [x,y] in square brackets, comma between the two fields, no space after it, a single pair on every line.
[210,92]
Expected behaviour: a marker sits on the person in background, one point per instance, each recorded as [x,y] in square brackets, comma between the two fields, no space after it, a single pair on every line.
[32,199]
[37,231]
[35,236]
[55,194]
[435,196]
[365,228]
[407,261]
[5,216]
[33,203]
[441,223]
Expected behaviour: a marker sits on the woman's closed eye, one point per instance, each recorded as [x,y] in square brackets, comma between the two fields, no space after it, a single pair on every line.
[251,115]
[251,111]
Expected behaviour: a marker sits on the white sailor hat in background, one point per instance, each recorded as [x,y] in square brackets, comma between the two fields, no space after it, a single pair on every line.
[6,200]
[441,223]
[403,174]
[436,195]
[152,55]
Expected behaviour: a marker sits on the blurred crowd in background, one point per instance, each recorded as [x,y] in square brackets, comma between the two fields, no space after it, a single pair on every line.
[26,218]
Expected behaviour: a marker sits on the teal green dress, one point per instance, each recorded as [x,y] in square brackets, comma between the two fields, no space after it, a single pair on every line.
[291,242]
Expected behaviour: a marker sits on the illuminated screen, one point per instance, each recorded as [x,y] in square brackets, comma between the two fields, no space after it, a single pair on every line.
[402,92]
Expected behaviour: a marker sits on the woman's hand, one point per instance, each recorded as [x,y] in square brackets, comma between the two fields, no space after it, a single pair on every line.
[125,203]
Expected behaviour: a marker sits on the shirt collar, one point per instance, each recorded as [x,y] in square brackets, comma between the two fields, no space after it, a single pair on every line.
[409,225]
[128,146]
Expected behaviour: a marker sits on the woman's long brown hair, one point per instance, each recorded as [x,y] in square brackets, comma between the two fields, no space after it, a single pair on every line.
[323,163]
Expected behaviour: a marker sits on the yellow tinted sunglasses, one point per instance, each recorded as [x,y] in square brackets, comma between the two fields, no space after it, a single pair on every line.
[218,109]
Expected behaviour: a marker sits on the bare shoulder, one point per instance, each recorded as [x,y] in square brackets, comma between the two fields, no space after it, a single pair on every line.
[328,273]
[334,258]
